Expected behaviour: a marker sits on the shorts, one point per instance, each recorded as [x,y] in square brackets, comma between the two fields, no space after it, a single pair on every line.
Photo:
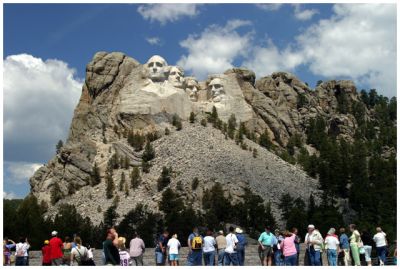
[267,252]
[160,259]
[173,257]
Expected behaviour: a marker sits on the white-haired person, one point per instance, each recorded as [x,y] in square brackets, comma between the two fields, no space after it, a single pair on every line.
[332,245]
[314,243]
[381,245]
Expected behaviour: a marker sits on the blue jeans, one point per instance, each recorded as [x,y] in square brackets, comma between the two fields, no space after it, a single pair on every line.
[240,255]
[221,256]
[194,258]
[209,258]
[231,258]
[291,260]
[332,257]
[298,253]
[314,257]
[160,258]
[381,254]
[278,258]
[21,261]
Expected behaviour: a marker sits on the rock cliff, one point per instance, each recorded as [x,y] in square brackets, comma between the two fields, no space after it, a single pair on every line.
[122,96]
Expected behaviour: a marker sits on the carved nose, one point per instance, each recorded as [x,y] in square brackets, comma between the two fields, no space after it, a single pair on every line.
[178,78]
[154,70]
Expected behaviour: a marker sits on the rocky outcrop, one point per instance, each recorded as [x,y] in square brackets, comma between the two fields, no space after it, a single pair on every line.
[120,95]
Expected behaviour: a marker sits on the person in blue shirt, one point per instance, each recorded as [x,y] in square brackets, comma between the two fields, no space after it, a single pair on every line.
[267,240]
[344,246]
[195,245]
[242,243]
[161,248]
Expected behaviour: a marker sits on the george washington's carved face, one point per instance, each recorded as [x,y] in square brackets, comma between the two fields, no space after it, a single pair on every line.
[156,67]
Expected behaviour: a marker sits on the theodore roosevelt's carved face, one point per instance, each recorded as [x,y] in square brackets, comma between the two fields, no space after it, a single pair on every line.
[192,87]
[175,76]
[217,89]
[156,67]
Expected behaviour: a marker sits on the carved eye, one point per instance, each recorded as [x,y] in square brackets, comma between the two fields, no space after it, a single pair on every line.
[151,65]
[217,86]
[180,74]
[173,73]
[158,64]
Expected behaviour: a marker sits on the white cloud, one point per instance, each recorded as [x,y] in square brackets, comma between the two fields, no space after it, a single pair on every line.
[164,13]
[39,99]
[215,49]
[155,41]
[304,14]
[358,42]
[9,195]
[19,172]
[269,7]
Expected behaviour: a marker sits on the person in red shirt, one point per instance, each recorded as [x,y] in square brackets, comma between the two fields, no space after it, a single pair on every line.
[56,253]
[46,255]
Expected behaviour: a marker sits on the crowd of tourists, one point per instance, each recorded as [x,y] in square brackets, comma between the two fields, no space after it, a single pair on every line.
[280,248]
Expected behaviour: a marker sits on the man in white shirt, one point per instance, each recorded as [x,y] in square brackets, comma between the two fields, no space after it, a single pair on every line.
[313,242]
[381,244]
[21,252]
[230,250]
[173,250]
[209,249]
[332,246]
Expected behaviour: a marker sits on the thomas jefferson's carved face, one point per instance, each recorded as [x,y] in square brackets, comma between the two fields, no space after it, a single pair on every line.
[175,77]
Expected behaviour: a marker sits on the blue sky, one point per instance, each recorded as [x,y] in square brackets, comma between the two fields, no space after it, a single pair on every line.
[47,46]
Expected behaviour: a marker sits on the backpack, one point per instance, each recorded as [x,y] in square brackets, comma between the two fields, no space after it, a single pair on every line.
[82,258]
[20,251]
[197,242]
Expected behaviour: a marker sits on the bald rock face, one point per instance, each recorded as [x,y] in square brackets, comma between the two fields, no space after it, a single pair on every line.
[156,67]
[217,89]
[175,77]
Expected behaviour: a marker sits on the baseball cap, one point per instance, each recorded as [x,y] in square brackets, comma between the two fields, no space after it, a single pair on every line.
[54,233]
[46,242]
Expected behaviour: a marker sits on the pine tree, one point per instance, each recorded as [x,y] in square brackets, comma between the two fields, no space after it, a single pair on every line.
[231,126]
[122,182]
[165,179]
[195,183]
[136,140]
[148,153]
[110,187]
[55,193]
[145,166]
[167,131]
[192,117]
[176,121]
[110,216]
[135,177]
[264,140]
[59,145]
[126,189]
[213,118]
[95,177]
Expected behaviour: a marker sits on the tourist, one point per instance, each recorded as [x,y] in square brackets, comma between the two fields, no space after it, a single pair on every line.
[8,244]
[381,245]
[366,238]
[209,248]
[266,242]
[297,241]
[111,253]
[332,244]
[124,256]
[161,248]
[230,250]
[137,249]
[288,247]
[221,245]
[242,243]
[314,243]
[173,250]
[67,246]
[277,248]
[90,255]
[195,243]
[46,255]
[79,253]
[21,252]
[355,244]
[344,246]
[56,245]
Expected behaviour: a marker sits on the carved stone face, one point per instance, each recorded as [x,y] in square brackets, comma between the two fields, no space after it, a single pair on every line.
[156,67]
[217,89]
[192,87]
[175,77]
